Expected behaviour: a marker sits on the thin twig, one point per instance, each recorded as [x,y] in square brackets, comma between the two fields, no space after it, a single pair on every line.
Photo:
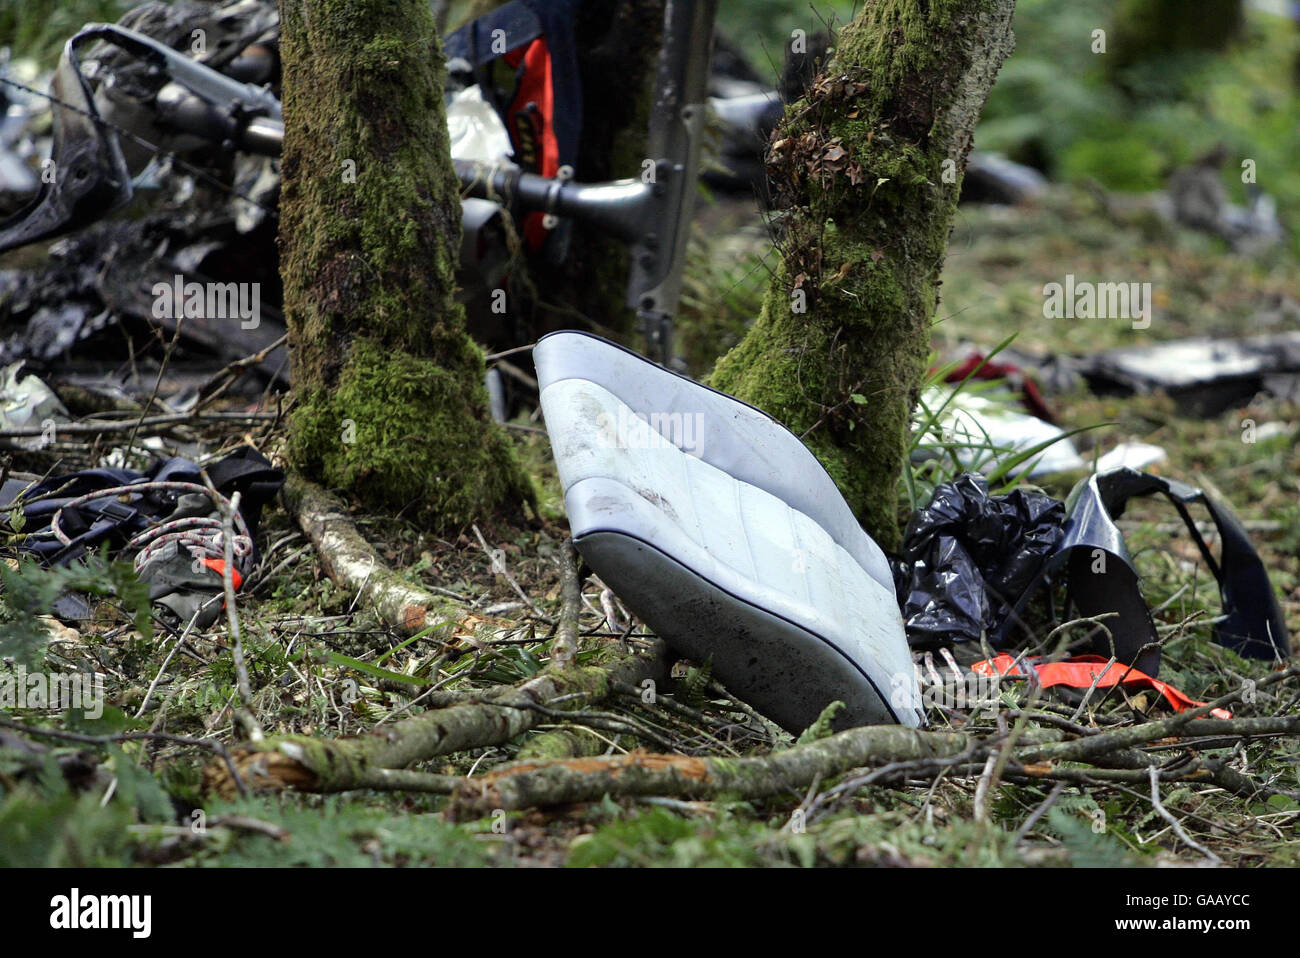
[1039,812]
[189,627]
[248,721]
[564,650]
[157,384]
[1154,774]
[221,751]
[232,373]
[499,568]
[88,428]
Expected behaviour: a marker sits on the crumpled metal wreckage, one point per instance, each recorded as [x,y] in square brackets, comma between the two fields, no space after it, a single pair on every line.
[26,402]
[104,275]
[1203,375]
[121,88]
[1251,622]
[162,95]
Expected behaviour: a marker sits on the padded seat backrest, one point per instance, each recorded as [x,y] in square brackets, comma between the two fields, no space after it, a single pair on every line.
[725,534]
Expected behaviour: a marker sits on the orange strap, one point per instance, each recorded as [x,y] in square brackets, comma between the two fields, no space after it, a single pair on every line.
[1082,671]
[219,567]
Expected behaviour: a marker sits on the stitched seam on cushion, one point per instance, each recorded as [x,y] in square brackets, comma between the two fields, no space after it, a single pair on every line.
[744,529]
[742,407]
[700,539]
[799,550]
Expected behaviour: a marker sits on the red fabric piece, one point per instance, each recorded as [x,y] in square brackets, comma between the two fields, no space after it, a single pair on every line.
[529,122]
[1032,398]
[1082,670]
[219,567]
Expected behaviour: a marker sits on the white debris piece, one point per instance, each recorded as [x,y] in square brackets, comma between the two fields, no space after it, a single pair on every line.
[986,432]
[1132,455]
[28,403]
[477,132]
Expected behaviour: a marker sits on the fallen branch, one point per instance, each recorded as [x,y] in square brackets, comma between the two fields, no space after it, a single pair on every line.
[248,722]
[216,385]
[87,428]
[526,784]
[1093,747]
[354,564]
[334,765]
[564,650]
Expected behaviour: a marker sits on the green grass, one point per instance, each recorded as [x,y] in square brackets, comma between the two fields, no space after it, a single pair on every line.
[1055,105]
[304,636]
[37,29]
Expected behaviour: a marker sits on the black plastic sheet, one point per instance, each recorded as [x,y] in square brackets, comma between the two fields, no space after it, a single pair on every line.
[967,557]
[971,561]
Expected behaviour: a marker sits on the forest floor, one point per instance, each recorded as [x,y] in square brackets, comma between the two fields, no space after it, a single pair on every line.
[321,664]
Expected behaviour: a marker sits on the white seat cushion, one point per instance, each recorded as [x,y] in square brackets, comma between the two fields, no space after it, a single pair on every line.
[703,514]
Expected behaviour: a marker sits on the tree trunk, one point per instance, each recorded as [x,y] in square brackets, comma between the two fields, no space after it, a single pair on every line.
[869,167]
[390,401]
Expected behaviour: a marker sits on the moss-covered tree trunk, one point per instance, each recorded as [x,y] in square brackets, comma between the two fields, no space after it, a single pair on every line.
[390,402]
[869,167]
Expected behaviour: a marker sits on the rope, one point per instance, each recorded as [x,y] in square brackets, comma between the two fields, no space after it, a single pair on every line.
[202,536]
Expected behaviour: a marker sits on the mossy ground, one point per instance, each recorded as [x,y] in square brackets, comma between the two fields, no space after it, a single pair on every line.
[294,621]
[411,436]
[297,623]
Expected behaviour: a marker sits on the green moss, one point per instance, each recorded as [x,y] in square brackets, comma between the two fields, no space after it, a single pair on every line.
[839,349]
[410,433]
[390,402]
[559,744]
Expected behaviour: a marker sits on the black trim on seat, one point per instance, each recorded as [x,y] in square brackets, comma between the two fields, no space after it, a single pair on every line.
[820,638]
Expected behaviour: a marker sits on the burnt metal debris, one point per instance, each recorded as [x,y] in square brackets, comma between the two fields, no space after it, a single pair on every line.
[186,140]
[168,101]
